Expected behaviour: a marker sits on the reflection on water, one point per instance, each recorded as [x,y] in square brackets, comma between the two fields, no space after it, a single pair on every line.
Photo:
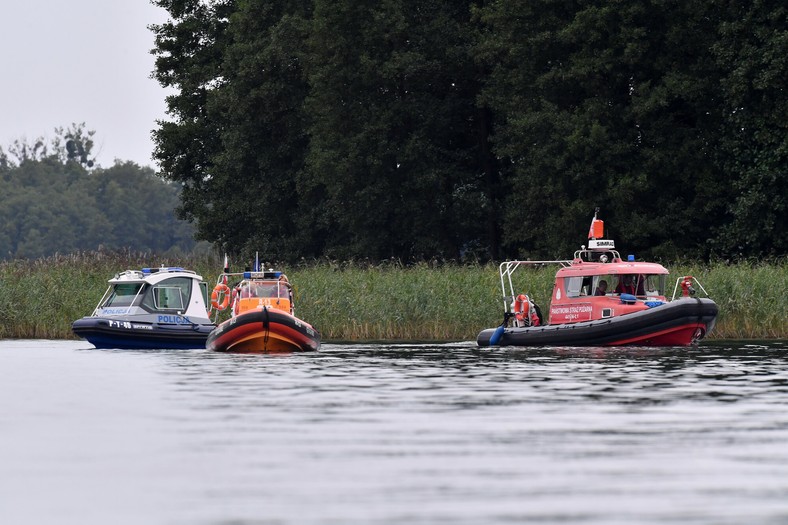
[389,434]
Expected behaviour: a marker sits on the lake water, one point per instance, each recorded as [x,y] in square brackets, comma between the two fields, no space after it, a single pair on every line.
[394,434]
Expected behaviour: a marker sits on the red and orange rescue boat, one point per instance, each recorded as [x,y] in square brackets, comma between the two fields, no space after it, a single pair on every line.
[263,318]
[599,299]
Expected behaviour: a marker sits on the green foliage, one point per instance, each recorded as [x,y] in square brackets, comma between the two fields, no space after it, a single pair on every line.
[750,297]
[753,50]
[401,178]
[447,302]
[604,106]
[390,301]
[40,298]
[309,128]
[188,59]
[255,198]
[325,128]
[47,207]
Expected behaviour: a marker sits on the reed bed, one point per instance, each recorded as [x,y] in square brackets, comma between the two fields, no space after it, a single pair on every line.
[364,302]
[39,299]
[392,302]
[751,297]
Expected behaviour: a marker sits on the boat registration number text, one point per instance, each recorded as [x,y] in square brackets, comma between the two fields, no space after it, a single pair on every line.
[128,325]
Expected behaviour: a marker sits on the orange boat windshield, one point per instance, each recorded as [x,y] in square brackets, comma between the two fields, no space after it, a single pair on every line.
[252,294]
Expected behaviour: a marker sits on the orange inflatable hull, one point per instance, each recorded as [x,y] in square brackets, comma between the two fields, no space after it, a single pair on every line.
[264,330]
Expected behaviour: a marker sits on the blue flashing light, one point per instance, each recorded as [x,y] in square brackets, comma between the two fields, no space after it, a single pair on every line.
[148,271]
[247,275]
[630,258]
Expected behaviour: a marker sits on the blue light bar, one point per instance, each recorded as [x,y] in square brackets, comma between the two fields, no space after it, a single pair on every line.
[262,275]
[168,269]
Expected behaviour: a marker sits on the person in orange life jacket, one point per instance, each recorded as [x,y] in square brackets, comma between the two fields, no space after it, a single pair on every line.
[625,285]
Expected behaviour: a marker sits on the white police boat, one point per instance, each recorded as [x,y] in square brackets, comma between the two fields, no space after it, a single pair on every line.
[163,308]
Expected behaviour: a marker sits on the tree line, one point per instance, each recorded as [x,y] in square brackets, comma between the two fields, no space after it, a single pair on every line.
[53,198]
[478,129]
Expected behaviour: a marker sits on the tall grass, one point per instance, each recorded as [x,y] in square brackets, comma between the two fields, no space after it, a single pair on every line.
[353,301]
[40,298]
[752,297]
[396,302]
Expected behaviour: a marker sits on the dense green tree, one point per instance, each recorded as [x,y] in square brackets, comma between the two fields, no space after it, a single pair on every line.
[415,130]
[256,198]
[50,202]
[189,54]
[753,52]
[244,86]
[37,210]
[604,105]
[394,146]
[274,155]
[138,209]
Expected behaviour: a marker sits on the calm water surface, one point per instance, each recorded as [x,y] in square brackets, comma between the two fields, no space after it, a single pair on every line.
[394,434]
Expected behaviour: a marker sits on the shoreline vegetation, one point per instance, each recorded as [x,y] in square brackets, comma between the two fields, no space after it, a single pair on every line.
[361,302]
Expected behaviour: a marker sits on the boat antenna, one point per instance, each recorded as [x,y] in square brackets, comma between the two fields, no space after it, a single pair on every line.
[226,268]
[256,261]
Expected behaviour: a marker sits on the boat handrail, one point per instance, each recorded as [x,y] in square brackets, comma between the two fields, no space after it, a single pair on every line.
[507,268]
[563,262]
[168,269]
[269,275]
[145,273]
[101,301]
[588,251]
[128,307]
[692,292]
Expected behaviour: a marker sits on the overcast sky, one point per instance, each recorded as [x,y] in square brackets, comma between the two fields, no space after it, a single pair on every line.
[81,61]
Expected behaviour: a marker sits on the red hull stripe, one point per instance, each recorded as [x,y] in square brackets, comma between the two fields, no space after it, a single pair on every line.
[282,330]
[674,336]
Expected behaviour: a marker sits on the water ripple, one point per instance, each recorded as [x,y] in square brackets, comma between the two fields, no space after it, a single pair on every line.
[397,433]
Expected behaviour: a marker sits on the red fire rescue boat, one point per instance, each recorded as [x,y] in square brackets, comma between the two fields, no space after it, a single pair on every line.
[599,299]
